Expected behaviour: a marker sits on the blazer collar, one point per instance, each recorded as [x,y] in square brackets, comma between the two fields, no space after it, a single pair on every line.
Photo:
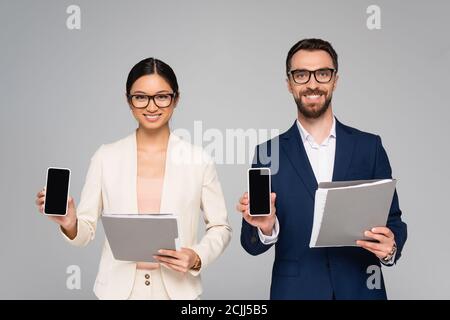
[168,172]
[345,145]
[296,153]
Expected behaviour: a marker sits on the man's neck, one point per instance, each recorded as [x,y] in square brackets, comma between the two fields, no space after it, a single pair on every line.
[152,140]
[318,128]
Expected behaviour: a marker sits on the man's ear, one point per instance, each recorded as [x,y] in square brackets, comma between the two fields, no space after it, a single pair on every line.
[288,85]
[335,82]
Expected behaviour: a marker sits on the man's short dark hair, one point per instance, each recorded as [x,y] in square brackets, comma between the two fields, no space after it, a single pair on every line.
[311,45]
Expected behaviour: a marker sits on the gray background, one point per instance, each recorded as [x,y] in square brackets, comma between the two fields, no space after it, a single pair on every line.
[62,95]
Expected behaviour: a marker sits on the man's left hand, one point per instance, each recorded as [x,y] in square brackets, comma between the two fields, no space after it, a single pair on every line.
[385,243]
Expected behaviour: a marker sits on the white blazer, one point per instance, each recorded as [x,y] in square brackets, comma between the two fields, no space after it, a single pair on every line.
[191,185]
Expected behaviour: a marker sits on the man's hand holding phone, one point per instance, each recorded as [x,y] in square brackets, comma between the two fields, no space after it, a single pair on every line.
[265,223]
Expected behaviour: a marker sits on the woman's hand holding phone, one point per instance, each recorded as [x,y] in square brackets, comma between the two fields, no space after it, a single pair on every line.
[265,223]
[67,222]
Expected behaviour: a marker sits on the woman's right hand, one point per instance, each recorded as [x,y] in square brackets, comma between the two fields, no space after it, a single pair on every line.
[67,222]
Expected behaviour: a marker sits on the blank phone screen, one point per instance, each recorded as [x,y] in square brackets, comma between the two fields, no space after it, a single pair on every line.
[259,191]
[57,191]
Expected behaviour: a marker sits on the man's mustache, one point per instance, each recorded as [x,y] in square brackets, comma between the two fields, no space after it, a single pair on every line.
[313,92]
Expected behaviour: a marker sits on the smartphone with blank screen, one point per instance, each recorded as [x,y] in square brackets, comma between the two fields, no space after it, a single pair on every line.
[57,191]
[259,191]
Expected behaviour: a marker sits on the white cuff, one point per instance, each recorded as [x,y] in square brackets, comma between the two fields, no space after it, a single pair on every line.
[273,237]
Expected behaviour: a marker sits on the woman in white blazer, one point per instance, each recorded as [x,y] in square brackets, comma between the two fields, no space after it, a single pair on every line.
[151,170]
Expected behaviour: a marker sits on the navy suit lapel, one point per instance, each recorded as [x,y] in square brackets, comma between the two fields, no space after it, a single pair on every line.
[345,144]
[296,153]
[293,146]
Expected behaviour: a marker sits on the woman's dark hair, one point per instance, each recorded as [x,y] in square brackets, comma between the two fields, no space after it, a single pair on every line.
[150,66]
[311,45]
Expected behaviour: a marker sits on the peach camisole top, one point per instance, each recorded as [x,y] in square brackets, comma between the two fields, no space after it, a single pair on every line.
[149,200]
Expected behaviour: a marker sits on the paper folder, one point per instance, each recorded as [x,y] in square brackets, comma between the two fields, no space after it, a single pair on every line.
[344,210]
[137,237]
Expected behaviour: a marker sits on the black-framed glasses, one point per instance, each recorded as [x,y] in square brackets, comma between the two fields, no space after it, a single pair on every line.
[141,101]
[302,76]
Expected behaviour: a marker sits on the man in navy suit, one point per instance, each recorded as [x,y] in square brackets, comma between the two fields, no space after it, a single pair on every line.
[319,148]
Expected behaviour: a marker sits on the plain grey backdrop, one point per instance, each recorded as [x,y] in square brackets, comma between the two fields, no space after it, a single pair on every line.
[62,96]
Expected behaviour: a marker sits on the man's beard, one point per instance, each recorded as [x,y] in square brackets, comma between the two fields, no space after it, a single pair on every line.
[307,112]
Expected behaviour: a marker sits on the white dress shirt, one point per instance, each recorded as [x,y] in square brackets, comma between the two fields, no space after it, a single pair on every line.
[321,158]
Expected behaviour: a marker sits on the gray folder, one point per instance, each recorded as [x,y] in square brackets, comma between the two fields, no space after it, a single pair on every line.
[344,210]
[137,237]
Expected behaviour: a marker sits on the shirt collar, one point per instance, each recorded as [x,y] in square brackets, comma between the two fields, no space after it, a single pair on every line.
[306,136]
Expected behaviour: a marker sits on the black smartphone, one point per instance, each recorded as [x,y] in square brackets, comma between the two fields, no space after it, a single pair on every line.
[259,191]
[57,191]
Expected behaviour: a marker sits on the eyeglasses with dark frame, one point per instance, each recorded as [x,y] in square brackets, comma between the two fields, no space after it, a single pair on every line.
[141,101]
[302,76]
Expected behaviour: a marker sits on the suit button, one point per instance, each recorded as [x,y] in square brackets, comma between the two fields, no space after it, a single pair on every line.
[147,276]
[147,283]
[253,239]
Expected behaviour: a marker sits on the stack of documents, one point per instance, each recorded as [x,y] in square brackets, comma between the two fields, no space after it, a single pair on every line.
[137,237]
[344,210]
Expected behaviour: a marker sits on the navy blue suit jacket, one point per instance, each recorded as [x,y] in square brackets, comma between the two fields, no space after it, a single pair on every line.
[300,272]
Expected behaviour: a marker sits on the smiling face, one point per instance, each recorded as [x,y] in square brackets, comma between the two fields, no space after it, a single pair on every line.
[312,98]
[152,117]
